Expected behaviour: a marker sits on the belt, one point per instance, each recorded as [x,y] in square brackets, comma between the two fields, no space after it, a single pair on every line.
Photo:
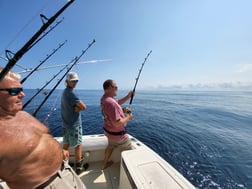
[45,184]
[115,133]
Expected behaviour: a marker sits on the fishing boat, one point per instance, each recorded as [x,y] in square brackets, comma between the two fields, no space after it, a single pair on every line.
[139,168]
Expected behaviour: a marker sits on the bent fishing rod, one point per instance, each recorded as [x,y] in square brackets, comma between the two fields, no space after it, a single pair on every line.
[134,89]
[42,62]
[26,47]
[68,70]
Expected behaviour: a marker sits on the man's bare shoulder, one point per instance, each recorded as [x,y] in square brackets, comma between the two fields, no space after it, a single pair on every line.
[32,121]
[25,120]
[26,114]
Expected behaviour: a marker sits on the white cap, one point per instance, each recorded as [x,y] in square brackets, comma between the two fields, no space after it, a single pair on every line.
[72,76]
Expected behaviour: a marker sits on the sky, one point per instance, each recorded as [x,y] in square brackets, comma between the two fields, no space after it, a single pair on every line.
[196,44]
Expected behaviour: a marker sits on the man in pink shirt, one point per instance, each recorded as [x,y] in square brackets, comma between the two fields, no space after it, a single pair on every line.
[114,120]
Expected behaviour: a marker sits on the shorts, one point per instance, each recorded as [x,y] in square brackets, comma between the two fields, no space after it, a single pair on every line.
[65,178]
[72,136]
[122,144]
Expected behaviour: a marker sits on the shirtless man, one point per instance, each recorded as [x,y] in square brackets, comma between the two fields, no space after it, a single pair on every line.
[29,156]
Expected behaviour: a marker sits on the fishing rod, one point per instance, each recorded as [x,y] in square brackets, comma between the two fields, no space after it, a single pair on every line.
[8,53]
[27,46]
[42,62]
[134,89]
[47,83]
[50,29]
[49,94]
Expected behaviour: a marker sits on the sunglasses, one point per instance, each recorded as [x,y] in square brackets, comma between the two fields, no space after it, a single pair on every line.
[114,87]
[74,81]
[13,91]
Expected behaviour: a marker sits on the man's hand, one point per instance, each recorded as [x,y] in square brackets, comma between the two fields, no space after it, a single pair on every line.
[126,110]
[77,109]
[130,116]
[65,154]
[130,94]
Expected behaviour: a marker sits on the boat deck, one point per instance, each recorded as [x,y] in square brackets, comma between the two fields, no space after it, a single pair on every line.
[96,178]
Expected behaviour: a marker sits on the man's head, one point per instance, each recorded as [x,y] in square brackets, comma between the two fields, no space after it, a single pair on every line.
[110,87]
[11,93]
[72,79]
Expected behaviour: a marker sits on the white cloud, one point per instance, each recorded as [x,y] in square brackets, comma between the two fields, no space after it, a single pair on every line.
[245,68]
[212,86]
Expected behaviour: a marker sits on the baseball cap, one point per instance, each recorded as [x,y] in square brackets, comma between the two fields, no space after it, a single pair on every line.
[72,76]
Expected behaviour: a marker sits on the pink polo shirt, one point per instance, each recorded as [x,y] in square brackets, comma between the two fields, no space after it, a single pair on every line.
[112,111]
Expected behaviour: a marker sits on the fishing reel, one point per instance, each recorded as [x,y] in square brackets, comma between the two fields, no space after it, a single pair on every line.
[126,110]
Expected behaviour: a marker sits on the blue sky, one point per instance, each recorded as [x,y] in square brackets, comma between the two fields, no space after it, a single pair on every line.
[196,44]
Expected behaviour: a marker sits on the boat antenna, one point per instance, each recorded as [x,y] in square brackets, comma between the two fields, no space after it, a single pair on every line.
[75,62]
[62,65]
[134,89]
[42,62]
[27,46]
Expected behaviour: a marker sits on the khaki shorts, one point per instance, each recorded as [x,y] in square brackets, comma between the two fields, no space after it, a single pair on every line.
[122,144]
[66,178]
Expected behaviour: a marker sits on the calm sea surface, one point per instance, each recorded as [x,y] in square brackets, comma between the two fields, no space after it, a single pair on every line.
[207,136]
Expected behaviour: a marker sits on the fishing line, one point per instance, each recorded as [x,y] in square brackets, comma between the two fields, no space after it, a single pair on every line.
[53,109]
[27,46]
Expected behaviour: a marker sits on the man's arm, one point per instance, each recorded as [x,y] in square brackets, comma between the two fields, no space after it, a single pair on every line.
[122,121]
[80,106]
[124,99]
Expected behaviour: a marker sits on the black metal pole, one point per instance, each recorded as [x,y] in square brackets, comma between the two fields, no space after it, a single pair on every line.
[26,47]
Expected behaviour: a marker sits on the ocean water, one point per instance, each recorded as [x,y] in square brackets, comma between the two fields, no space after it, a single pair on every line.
[206,136]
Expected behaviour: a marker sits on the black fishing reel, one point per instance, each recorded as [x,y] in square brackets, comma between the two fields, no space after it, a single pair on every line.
[126,110]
